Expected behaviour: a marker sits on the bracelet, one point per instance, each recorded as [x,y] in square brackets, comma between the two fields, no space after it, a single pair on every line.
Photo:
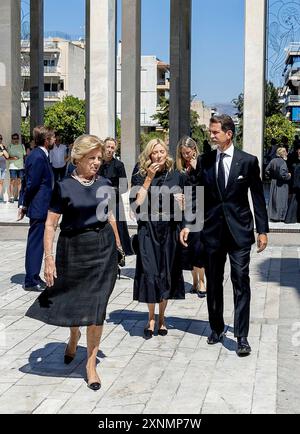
[48,256]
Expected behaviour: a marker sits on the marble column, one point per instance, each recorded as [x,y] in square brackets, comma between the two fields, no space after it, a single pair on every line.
[180,73]
[255,76]
[130,83]
[10,68]
[101,67]
[36,63]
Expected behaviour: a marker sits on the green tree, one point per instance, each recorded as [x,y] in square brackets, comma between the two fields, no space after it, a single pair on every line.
[67,118]
[25,129]
[162,114]
[278,126]
[273,105]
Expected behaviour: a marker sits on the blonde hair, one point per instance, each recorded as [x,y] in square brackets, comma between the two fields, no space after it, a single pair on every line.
[145,157]
[188,142]
[281,152]
[83,145]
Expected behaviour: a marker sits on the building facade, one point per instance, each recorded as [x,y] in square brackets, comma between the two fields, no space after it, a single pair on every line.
[292,83]
[64,71]
[155,83]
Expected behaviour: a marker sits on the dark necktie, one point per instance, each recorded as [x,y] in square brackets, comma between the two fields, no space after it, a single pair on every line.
[221,174]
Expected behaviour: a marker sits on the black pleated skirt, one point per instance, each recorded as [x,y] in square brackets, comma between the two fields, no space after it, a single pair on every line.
[86,265]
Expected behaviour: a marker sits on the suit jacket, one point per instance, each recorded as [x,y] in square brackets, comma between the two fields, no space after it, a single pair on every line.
[233,208]
[37,187]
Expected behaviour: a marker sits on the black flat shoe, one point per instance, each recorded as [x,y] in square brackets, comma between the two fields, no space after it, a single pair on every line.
[162,332]
[94,386]
[201,294]
[214,338]
[148,333]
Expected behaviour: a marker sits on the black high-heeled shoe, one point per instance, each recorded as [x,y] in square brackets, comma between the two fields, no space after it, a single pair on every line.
[148,333]
[94,386]
[69,357]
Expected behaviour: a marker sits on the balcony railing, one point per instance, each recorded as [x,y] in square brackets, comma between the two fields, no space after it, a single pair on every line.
[292,99]
[25,70]
[47,95]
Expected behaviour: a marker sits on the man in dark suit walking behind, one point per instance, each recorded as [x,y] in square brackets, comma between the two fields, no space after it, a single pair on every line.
[34,202]
[227,174]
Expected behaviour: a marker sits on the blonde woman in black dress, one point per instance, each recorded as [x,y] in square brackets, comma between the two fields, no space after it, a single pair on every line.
[158,275]
[81,280]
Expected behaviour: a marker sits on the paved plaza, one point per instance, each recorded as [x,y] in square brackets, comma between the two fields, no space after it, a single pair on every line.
[175,374]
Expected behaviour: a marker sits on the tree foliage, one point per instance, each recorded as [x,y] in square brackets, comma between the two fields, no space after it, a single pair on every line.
[67,118]
[278,126]
[162,114]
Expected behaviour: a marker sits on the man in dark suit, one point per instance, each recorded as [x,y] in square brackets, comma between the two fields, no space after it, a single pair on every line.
[34,202]
[227,174]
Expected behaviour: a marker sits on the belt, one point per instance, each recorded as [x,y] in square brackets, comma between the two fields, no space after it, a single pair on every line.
[97,228]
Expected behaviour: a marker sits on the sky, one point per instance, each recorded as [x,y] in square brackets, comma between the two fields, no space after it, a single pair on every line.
[217,40]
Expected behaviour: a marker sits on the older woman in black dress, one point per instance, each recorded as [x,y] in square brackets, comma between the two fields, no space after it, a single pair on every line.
[81,280]
[157,199]
[114,170]
[192,256]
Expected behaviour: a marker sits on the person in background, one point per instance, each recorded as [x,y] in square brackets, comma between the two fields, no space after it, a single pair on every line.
[17,154]
[114,170]
[34,201]
[192,259]
[3,157]
[58,158]
[82,277]
[277,171]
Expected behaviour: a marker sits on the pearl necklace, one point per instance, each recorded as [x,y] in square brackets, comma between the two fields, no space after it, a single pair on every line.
[84,182]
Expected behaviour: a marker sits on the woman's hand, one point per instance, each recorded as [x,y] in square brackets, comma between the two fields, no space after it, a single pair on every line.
[50,271]
[179,197]
[151,172]
[193,161]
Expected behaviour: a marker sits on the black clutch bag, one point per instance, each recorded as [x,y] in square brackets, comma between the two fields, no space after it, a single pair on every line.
[121,257]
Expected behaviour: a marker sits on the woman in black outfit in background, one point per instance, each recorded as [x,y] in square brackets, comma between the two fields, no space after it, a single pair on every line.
[114,170]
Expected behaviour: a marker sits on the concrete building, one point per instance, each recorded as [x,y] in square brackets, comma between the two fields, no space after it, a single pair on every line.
[64,71]
[203,112]
[291,91]
[155,83]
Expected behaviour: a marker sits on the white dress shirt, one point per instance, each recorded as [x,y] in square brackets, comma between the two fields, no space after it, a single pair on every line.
[227,160]
[57,156]
[45,150]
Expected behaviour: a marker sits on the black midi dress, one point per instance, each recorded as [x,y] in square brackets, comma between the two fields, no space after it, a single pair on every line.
[192,255]
[86,257]
[114,170]
[158,274]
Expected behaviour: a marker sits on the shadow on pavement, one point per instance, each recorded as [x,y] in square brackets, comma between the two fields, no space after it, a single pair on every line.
[18,279]
[134,322]
[49,361]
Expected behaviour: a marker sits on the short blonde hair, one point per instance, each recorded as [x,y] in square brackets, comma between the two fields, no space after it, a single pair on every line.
[281,152]
[145,157]
[187,142]
[83,145]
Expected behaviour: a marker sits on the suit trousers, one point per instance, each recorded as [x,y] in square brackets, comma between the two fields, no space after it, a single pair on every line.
[34,252]
[215,259]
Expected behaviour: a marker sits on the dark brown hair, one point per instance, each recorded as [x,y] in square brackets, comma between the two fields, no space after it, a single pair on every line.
[226,122]
[41,134]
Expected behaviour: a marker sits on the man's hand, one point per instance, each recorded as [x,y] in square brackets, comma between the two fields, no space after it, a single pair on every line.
[262,242]
[21,214]
[184,236]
